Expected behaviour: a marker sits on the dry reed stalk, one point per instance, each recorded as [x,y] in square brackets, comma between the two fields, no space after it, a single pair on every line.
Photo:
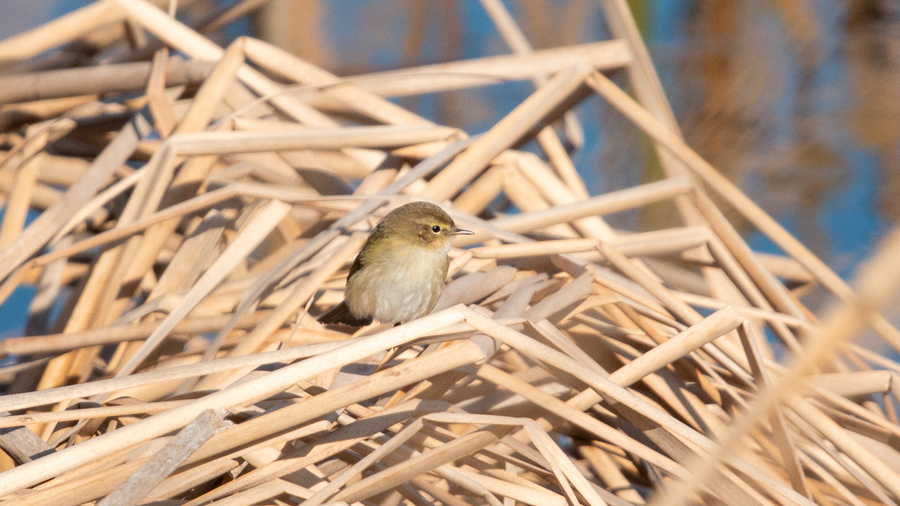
[61,30]
[564,86]
[547,137]
[43,397]
[79,414]
[45,226]
[20,196]
[606,55]
[301,293]
[287,65]
[482,191]
[332,444]
[559,193]
[877,289]
[256,229]
[182,209]
[167,459]
[609,203]
[100,79]
[241,220]
[622,396]
[526,196]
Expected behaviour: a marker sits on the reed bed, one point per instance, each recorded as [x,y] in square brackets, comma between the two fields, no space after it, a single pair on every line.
[196,212]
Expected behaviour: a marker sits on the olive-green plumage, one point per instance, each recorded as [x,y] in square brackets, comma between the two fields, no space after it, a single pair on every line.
[399,274]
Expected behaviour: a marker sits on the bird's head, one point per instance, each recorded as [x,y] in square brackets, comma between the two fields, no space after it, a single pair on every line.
[420,224]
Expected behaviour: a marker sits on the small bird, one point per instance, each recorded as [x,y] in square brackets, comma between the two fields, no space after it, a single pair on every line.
[399,274]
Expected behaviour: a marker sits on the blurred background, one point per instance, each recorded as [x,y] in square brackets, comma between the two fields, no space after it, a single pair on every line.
[797,101]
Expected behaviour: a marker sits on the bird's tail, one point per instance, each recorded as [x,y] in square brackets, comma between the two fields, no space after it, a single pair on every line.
[341,314]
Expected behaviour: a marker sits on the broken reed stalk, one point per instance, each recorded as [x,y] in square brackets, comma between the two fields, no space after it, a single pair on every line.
[241,220]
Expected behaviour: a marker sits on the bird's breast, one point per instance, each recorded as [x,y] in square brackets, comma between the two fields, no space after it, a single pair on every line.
[398,287]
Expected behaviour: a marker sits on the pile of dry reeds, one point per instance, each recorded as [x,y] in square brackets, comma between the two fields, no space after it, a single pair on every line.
[197,212]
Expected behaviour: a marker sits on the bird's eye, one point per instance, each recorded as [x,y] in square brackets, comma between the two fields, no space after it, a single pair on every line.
[436,229]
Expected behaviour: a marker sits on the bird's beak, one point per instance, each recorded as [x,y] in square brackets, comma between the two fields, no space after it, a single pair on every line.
[460,231]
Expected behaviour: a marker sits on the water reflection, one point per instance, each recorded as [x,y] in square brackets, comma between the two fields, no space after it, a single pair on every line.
[797,102]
